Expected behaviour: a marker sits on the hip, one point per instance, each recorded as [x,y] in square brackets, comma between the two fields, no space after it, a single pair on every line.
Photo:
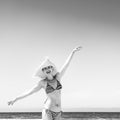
[55,108]
[51,115]
[52,105]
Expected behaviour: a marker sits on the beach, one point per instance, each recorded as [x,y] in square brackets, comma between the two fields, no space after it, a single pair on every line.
[65,116]
[71,119]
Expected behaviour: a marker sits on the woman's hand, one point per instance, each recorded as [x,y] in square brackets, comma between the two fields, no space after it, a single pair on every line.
[77,49]
[11,102]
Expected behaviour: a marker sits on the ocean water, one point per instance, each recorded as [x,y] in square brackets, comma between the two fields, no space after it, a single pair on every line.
[65,116]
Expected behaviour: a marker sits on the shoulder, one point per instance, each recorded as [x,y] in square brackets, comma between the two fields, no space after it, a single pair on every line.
[42,83]
[58,76]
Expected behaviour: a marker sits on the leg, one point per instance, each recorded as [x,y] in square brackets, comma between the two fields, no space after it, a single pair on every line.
[58,116]
[50,115]
[46,115]
[55,115]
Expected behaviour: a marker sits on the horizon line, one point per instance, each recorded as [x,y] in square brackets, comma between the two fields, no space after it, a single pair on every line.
[67,110]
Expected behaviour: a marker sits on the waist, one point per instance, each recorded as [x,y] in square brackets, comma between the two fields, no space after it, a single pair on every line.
[54,105]
[53,102]
[55,96]
[52,111]
[55,109]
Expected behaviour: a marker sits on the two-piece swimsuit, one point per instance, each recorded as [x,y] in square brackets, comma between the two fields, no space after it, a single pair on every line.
[50,89]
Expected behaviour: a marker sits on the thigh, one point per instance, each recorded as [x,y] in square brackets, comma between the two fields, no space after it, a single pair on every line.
[55,115]
[58,116]
[50,115]
[46,115]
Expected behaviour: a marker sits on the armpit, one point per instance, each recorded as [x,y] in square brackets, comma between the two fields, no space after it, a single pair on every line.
[43,83]
[58,76]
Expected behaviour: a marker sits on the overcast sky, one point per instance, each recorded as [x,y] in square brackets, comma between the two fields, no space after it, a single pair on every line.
[33,29]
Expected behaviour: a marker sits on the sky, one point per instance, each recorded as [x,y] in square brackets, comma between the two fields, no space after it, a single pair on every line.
[33,29]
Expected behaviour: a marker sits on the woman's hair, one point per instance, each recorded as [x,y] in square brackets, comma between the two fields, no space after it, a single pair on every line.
[40,74]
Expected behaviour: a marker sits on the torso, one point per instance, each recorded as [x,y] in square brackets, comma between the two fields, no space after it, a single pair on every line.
[53,93]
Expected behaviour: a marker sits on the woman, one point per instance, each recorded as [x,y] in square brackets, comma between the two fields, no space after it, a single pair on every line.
[50,82]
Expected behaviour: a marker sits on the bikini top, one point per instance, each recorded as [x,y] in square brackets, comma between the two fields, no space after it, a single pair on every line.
[50,89]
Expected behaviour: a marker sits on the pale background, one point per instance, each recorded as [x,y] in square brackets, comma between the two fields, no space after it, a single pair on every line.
[33,29]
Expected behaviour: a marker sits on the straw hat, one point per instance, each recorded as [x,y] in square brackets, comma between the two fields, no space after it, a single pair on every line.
[39,73]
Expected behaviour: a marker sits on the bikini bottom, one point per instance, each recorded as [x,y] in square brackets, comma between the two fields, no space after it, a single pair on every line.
[50,115]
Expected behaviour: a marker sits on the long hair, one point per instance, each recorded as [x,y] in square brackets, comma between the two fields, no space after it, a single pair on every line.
[39,73]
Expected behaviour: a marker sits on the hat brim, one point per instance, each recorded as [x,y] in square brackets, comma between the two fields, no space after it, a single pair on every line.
[40,74]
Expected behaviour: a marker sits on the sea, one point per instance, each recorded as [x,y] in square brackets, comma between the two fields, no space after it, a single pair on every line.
[65,115]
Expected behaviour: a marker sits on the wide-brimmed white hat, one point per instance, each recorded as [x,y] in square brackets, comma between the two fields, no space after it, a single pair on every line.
[39,73]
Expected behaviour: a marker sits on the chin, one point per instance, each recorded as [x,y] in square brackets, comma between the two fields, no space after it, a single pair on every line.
[49,76]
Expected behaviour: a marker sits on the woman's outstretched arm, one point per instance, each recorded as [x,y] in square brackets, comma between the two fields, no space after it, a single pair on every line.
[67,62]
[36,88]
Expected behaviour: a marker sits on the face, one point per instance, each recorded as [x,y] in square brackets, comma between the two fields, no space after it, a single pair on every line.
[48,70]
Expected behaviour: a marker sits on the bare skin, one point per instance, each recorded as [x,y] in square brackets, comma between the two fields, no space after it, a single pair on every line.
[54,99]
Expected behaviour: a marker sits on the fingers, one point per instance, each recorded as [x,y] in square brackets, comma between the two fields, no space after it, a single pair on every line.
[10,102]
[77,48]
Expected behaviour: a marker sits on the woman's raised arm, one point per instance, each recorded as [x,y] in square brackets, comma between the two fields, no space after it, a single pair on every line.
[36,88]
[67,62]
